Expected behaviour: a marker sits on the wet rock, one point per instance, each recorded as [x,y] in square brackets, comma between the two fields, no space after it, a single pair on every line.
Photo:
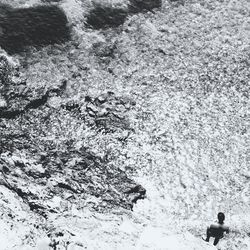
[38,208]
[88,99]
[135,193]
[37,171]
[38,180]
[71,106]
[110,112]
[104,50]
[66,186]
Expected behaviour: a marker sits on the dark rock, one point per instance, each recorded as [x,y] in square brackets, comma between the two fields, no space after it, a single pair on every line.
[39,174]
[76,74]
[66,186]
[59,234]
[71,106]
[35,206]
[22,194]
[136,193]
[40,209]
[88,99]
[83,173]
[58,90]
[5,170]
[103,97]
[103,17]
[18,105]
[109,112]
[104,50]
[136,6]
[37,169]
[34,26]
[136,189]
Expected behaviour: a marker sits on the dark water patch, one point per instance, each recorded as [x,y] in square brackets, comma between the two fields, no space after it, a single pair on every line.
[136,6]
[103,17]
[10,114]
[34,26]
[37,102]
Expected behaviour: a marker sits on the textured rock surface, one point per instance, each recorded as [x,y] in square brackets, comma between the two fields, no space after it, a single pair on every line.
[44,181]
[16,96]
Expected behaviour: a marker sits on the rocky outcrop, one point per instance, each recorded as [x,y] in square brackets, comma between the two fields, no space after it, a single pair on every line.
[71,175]
[36,171]
[109,112]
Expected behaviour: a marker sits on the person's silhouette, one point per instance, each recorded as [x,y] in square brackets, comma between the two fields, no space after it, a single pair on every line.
[217,230]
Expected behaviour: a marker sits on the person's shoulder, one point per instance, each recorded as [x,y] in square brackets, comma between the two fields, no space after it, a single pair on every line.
[225,227]
[214,225]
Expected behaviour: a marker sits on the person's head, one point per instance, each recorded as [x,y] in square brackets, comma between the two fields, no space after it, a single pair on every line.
[221,217]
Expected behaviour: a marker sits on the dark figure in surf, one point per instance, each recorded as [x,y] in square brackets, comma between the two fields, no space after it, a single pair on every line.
[217,229]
